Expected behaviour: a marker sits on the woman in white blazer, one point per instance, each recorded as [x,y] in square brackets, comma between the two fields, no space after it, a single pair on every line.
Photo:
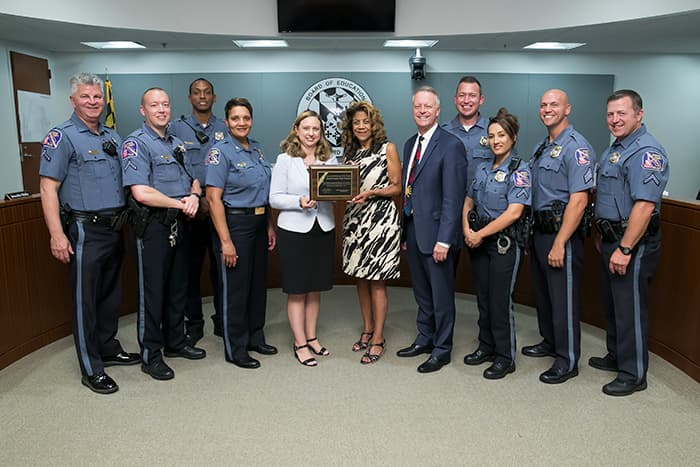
[305,232]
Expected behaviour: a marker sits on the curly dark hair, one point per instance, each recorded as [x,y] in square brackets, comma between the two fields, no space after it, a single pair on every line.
[292,146]
[348,139]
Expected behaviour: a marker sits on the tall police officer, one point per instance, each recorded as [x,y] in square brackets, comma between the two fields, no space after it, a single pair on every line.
[199,131]
[161,182]
[562,170]
[632,175]
[81,182]
[469,125]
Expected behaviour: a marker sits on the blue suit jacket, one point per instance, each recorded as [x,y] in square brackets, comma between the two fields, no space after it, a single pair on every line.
[438,190]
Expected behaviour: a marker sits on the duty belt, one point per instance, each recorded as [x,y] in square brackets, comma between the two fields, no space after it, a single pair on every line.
[101,218]
[612,231]
[547,222]
[165,216]
[259,211]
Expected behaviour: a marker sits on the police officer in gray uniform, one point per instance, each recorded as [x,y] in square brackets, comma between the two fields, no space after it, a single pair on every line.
[469,125]
[82,196]
[199,131]
[238,189]
[164,192]
[495,202]
[562,172]
[632,175]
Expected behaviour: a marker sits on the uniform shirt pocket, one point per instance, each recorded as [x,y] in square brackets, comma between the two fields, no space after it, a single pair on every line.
[551,174]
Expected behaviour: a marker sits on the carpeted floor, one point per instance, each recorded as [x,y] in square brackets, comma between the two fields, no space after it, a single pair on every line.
[343,413]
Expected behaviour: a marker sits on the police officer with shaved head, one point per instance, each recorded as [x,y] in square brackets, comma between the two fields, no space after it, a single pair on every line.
[199,131]
[632,175]
[562,170]
[164,193]
[82,198]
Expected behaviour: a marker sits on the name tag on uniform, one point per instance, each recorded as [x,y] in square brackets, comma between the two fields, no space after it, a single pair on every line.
[93,152]
[260,211]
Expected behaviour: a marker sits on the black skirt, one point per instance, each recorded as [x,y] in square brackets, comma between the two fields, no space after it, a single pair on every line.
[306,260]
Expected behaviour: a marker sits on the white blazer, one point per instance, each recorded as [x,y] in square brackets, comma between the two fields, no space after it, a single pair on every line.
[290,180]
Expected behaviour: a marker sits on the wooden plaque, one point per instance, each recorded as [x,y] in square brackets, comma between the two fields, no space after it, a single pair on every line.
[334,182]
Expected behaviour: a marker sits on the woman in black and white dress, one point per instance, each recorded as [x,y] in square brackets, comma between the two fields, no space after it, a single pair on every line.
[371,230]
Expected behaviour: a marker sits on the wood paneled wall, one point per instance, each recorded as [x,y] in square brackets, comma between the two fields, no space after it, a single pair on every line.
[35,303]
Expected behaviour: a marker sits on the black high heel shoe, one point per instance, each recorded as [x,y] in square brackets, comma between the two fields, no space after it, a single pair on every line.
[322,351]
[309,361]
[368,358]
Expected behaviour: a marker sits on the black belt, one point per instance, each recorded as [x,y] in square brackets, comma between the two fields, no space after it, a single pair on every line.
[259,211]
[612,231]
[165,216]
[102,218]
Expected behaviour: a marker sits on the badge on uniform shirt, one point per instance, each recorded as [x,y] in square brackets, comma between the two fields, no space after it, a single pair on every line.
[484,141]
[614,157]
[652,161]
[521,178]
[555,151]
[213,157]
[583,156]
[500,176]
[52,139]
[219,135]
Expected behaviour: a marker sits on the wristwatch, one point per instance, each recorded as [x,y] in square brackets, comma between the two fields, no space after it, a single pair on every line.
[625,251]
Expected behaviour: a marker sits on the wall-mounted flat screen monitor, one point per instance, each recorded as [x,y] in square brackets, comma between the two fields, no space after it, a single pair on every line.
[336,15]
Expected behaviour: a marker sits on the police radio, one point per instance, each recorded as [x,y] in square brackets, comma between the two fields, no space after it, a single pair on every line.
[109,146]
[200,135]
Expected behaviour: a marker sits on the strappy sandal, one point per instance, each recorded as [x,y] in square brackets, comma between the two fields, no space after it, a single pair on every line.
[309,361]
[360,344]
[322,351]
[368,358]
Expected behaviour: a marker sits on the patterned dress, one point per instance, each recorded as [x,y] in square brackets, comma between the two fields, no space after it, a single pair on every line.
[371,231]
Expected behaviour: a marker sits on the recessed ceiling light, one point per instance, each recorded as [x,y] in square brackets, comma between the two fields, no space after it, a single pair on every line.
[114,45]
[261,43]
[409,43]
[554,45]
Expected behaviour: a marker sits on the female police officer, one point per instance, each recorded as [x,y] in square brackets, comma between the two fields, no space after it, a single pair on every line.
[495,201]
[238,187]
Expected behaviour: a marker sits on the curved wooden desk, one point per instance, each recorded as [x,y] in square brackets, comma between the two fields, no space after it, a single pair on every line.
[35,302]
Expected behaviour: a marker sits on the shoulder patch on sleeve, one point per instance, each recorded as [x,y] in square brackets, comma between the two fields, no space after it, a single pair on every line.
[583,156]
[653,161]
[213,157]
[52,138]
[130,148]
[521,178]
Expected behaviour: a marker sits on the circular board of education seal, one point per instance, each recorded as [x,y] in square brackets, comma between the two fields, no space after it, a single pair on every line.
[329,98]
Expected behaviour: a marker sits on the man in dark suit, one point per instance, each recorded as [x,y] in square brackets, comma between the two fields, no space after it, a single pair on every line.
[434,179]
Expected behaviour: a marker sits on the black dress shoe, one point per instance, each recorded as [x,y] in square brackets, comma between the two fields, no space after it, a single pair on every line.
[188,352]
[623,388]
[606,363]
[245,361]
[122,358]
[538,350]
[158,370]
[499,370]
[478,357]
[432,364]
[263,349]
[558,375]
[414,350]
[101,384]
